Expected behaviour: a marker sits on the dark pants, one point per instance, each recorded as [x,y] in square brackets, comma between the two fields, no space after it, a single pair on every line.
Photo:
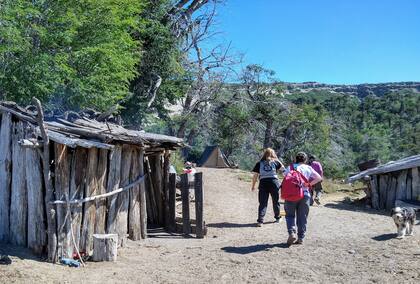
[316,192]
[297,213]
[265,190]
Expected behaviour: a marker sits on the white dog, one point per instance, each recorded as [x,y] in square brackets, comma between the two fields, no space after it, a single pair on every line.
[404,219]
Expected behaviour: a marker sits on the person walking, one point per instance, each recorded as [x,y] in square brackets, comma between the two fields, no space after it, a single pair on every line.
[266,172]
[317,188]
[299,177]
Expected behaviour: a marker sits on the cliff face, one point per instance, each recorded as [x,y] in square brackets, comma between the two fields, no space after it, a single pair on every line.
[360,90]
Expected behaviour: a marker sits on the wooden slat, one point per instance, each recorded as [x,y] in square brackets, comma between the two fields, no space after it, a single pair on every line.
[199,214]
[142,195]
[18,196]
[18,202]
[114,177]
[101,176]
[77,189]
[391,192]
[5,174]
[185,196]
[172,202]
[374,192]
[134,219]
[383,183]
[89,208]
[401,193]
[122,200]
[165,187]
[62,189]
[37,237]
[415,183]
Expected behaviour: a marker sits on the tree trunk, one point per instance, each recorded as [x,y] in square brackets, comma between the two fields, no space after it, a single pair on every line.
[268,139]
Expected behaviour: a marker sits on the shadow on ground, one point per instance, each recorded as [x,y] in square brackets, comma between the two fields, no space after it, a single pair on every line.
[355,207]
[253,249]
[384,237]
[231,225]
[19,252]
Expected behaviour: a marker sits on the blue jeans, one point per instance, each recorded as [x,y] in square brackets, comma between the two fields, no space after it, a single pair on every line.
[297,213]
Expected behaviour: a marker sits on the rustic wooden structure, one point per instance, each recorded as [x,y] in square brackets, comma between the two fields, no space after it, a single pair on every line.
[63,180]
[394,181]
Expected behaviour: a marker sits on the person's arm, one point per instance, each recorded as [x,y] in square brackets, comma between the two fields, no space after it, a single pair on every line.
[254,181]
[321,170]
[315,178]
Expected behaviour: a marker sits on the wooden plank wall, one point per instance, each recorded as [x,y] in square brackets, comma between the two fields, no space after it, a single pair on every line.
[401,185]
[78,173]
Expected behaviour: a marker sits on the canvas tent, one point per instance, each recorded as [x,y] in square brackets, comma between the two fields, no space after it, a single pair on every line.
[213,157]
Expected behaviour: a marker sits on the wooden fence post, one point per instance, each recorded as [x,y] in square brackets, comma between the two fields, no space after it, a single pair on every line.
[166,165]
[374,191]
[185,195]
[172,202]
[198,190]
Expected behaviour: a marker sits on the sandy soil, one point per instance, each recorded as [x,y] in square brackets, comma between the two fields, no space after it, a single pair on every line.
[344,244]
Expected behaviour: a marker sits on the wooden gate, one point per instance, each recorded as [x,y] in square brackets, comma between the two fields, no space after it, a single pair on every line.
[185,224]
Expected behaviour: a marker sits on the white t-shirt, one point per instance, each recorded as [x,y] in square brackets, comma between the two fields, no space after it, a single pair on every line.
[306,171]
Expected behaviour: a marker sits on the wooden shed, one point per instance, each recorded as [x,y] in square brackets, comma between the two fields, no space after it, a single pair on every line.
[392,182]
[63,179]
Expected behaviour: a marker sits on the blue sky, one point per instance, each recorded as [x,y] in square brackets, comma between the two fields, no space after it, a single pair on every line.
[330,41]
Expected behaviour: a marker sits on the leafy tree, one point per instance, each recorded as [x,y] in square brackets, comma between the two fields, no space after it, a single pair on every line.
[70,54]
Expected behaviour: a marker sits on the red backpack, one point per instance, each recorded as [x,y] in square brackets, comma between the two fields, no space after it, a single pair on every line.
[293,184]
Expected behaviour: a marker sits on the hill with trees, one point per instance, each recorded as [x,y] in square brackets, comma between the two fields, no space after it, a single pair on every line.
[160,66]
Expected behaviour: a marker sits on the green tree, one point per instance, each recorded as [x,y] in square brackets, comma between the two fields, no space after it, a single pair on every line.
[70,54]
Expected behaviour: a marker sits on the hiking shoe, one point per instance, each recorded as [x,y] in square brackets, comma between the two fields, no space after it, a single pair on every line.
[299,242]
[278,220]
[317,201]
[291,239]
[259,224]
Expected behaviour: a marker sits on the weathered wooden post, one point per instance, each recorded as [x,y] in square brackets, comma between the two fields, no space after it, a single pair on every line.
[198,190]
[37,237]
[143,199]
[134,219]
[172,202]
[166,164]
[374,191]
[113,184]
[5,174]
[185,196]
[49,190]
[18,197]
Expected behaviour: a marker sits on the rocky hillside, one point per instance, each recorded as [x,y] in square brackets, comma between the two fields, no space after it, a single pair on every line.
[360,90]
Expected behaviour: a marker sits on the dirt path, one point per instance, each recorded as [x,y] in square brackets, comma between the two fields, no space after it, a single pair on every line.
[344,244]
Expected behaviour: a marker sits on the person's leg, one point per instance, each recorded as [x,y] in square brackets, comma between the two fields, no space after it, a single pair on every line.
[274,192]
[318,193]
[302,216]
[290,208]
[263,195]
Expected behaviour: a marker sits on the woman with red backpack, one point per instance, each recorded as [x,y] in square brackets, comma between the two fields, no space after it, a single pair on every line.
[295,190]
[266,171]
